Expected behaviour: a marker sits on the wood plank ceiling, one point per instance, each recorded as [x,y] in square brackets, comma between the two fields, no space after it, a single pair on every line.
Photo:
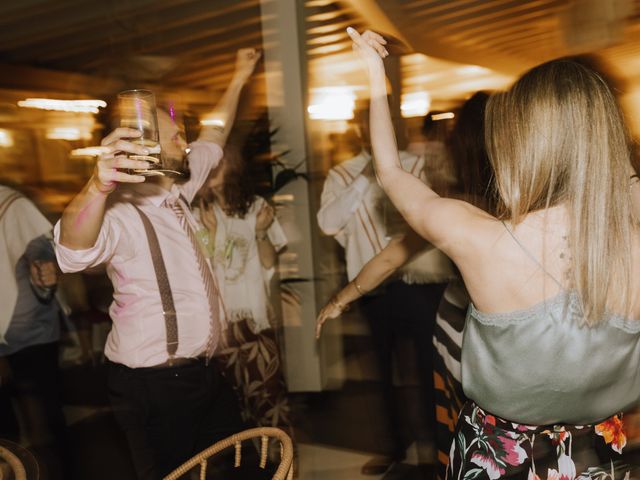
[180,43]
[190,44]
[512,35]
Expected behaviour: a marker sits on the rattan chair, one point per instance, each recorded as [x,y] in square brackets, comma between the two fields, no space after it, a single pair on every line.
[12,463]
[285,468]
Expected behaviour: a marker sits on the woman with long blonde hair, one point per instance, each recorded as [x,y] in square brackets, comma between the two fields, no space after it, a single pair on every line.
[551,346]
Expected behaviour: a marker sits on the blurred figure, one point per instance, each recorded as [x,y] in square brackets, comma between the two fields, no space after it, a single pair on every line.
[30,332]
[471,162]
[551,340]
[169,399]
[244,237]
[354,211]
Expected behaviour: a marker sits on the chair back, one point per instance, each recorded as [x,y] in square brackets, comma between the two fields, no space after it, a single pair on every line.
[285,467]
[13,464]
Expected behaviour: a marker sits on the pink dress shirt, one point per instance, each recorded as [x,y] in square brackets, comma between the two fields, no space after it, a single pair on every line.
[138,337]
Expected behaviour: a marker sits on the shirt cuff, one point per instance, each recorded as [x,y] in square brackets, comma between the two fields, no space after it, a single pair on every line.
[214,151]
[70,260]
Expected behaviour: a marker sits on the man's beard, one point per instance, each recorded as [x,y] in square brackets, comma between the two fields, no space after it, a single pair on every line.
[179,164]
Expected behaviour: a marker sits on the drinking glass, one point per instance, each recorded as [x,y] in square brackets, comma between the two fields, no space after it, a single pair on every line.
[137,110]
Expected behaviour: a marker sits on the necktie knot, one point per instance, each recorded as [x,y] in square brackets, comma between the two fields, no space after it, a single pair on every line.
[173,203]
[170,201]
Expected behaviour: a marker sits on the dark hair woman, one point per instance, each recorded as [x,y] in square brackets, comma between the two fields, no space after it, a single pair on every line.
[243,237]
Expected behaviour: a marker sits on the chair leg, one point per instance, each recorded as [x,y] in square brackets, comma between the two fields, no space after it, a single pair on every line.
[264,450]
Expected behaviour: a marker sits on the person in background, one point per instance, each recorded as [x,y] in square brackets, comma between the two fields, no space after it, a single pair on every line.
[244,238]
[552,340]
[168,397]
[355,212]
[30,334]
[474,171]
[433,148]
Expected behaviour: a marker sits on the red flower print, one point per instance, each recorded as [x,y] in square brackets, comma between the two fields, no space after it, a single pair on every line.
[612,430]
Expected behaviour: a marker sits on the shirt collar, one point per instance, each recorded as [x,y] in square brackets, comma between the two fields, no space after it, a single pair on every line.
[155,194]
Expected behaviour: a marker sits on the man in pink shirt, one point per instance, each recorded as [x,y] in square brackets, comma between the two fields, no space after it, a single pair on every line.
[168,398]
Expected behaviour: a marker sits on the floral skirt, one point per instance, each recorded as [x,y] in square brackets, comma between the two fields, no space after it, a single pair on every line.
[488,447]
[251,363]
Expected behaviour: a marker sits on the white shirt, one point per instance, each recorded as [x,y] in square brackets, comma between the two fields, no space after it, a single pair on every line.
[20,222]
[138,335]
[355,210]
[243,281]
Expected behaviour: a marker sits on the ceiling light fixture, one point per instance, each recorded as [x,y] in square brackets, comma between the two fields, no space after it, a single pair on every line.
[78,106]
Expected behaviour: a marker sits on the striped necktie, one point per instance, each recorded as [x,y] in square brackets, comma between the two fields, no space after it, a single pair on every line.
[178,207]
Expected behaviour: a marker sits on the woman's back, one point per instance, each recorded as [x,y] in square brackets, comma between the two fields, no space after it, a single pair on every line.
[528,354]
[511,268]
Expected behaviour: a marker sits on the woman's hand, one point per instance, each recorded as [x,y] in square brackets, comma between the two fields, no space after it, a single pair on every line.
[114,156]
[370,47]
[265,218]
[246,60]
[208,217]
[331,310]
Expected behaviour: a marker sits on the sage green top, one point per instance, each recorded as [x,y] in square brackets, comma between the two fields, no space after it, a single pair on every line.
[543,365]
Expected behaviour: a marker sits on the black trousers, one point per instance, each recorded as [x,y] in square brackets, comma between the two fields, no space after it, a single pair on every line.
[405,311]
[170,414]
[36,388]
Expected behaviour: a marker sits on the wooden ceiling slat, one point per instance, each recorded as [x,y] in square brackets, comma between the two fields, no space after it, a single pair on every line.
[207,74]
[209,68]
[431,5]
[222,62]
[326,39]
[73,24]
[251,39]
[182,44]
[328,16]
[521,22]
[167,15]
[333,47]
[318,3]
[25,9]
[516,37]
[214,53]
[484,13]
[489,37]
[89,35]
[448,12]
[495,18]
[246,31]
[545,49]
[334,27]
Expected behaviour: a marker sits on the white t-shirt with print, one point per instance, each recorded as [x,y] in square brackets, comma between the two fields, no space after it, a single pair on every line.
[243,281]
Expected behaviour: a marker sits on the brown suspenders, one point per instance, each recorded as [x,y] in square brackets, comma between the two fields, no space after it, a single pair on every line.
[166,296]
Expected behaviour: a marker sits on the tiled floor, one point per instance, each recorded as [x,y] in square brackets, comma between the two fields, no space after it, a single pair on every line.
[319,462]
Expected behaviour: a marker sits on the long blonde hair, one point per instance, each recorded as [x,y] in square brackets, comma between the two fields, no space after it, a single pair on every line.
[558,137]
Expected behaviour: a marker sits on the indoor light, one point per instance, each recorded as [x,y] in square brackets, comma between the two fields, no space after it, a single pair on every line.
[415,104]
[80,106]
[332,103]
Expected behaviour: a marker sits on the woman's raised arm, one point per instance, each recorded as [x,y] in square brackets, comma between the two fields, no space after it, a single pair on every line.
[442,221]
